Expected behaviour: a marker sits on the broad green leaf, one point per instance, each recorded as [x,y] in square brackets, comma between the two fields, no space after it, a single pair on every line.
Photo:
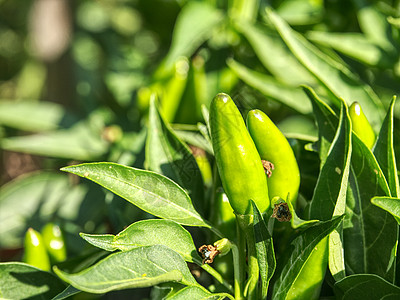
[33,115]
[68,292]
[326,122]
[370,234]
[166,154]
[22,281]
[334,76]
[275,55]
[300,12]
[355,45]
[193,27]
[302,247]
[270,87]
[329,198]
[391,205]
[148,233]
[384,152]
[366,286]
[296,221]
[374,24]
[197,293]
[140,267]
[80,142]
[36,199]
[299,127]
[149,191]
[264,250]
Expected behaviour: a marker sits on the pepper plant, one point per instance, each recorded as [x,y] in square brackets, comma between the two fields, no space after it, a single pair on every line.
[269,174]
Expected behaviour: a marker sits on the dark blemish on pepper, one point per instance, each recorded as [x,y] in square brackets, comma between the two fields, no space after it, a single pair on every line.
[208,252]
[281,212]
[268,167]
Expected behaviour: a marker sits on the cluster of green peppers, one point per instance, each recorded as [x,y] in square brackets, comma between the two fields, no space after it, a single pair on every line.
[257,163]
[240,152]
[42,249]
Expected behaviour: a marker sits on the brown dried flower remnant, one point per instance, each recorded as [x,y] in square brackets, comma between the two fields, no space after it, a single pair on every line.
[208,252]
[268,167]
[281,212]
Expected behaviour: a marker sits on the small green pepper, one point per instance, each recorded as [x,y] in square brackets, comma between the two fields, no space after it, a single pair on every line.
[35,250]
[278,156]
[238,161]
[54,242]
[361,126]
[223,217]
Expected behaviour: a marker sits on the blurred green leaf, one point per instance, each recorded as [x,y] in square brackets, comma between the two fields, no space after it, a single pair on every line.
[299,127]
[35,199]
[300,12]
[270,87]
[140,267]
[149,191]
[80,142]
[22,281]
[33,115]
[275,55]
[68,292]
[336,77]
[193,26]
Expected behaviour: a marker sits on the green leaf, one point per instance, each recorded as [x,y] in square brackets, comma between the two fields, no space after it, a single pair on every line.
[391,205]
[68,292]
[355,45]
[366,286]
[326,120]
[38,198]
[194,138]
[149,191]
[303,246]
[329,198]
[370,234]
[79,142]
[140,267]
[166,154]
[264,250]
[22,281]
[270,87]
[334,76]
[384,152]
[299,127]
[148,233]
[278,59]
[193,27]
[33,115]
[197,293]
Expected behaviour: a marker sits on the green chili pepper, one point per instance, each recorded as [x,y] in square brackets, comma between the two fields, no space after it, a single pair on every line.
[238,161]
[222,215]
[361,126]
[35,250]
[54,242]
[284,176]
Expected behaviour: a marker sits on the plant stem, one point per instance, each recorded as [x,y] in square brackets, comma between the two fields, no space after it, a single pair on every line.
[216,275]
[239,263]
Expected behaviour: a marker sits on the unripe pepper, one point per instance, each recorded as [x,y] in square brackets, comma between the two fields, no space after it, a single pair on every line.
[238,161]
[274,148]
[361,126]
[35,250]
[54,242]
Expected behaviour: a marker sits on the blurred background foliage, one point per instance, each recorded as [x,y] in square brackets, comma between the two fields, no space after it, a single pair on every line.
[76,78]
